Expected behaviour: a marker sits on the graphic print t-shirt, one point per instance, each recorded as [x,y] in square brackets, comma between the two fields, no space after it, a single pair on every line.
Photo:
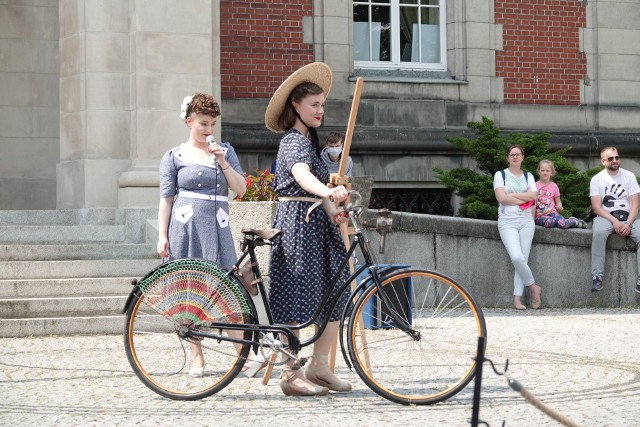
[513,184]
[614,191]
[546,202]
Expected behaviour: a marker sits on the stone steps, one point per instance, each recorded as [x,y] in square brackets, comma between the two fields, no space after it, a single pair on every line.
[42,288]
[26,308]
[60,252]
[70,271]
[95,216]
[11,270]
[61,234]
[99,325]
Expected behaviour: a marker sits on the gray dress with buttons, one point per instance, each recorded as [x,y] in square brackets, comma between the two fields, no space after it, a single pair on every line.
[198,228]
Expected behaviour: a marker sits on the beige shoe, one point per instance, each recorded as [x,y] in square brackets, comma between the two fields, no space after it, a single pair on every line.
[518,305]
[535,292]
[318,372]
[293,383]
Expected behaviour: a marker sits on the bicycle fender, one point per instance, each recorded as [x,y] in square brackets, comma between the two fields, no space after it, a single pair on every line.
[132,295]
[347,312]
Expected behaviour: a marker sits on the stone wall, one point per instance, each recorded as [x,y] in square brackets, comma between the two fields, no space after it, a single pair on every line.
[29,118]
[471,252]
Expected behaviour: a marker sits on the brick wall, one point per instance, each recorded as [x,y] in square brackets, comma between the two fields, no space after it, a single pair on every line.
[540,61]
[260,45]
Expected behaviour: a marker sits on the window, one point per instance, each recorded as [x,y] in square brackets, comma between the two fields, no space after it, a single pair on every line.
[404,34]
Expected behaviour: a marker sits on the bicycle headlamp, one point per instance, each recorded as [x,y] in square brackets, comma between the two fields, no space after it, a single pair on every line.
[384,224]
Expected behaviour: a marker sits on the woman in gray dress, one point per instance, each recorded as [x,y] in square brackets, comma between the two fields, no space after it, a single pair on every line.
[195,177]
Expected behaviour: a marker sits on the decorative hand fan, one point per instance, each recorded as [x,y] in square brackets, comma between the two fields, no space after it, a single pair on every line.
[194,291]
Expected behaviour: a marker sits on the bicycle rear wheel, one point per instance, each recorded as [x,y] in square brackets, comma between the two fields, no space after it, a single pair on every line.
[173,301]
[435,364]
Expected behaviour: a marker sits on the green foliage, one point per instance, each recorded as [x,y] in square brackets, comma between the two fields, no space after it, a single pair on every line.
[489,150]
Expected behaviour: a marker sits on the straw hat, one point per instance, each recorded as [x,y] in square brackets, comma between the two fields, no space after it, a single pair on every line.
[316,72]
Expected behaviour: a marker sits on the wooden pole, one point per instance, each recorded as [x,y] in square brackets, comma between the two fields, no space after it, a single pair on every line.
[351,124]
[340,179]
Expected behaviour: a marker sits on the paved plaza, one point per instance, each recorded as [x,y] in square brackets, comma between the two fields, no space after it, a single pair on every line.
[583,363]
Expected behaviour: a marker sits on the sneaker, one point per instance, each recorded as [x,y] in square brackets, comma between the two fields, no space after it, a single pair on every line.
[579,223]
[597,284]
[638,285]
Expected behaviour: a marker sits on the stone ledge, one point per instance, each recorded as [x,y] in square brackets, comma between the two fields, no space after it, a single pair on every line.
[139,179]
[471,253]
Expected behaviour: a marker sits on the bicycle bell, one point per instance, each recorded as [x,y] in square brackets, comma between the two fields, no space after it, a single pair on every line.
[384,223]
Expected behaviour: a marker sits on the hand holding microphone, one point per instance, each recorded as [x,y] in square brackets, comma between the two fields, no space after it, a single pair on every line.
[215,150]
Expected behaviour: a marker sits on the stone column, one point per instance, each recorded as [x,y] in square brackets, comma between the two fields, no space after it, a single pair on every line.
[332,42]
[29,115]
[125,67]
[95,101]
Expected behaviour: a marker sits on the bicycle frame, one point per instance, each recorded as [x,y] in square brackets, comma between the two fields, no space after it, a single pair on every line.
[178,303]
[376,272]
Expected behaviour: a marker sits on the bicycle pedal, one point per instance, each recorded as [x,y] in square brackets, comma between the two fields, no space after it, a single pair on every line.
[299,363]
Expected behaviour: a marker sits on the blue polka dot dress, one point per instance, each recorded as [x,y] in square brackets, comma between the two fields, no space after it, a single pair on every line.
[308,254]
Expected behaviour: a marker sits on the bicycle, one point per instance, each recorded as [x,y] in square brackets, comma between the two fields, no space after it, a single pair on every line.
[411,334]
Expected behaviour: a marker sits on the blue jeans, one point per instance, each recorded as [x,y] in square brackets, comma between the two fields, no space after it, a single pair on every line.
[517,235]
[601,229]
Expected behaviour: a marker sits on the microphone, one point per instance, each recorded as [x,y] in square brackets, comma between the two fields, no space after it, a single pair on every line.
[212,140]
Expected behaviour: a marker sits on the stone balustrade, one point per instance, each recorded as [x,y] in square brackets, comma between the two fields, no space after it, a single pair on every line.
[471,252]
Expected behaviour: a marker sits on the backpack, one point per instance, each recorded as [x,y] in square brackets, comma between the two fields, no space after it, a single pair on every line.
[526,176]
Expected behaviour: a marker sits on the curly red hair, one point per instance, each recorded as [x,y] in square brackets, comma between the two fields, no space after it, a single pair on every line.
[203,103]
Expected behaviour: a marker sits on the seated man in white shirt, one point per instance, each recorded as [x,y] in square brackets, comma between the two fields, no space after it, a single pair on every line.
[614,198]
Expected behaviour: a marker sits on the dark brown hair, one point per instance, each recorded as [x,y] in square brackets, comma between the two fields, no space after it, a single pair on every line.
[510,148]
[203,103]
[334,137]
[288,117]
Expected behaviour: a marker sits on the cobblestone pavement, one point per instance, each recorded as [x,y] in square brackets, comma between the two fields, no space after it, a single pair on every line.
[581,362]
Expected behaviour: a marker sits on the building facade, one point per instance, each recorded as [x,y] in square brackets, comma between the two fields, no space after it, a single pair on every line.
[92,88]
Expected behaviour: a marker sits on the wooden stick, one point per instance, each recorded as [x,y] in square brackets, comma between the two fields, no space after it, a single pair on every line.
[268,369]
[350,126]
[340,179]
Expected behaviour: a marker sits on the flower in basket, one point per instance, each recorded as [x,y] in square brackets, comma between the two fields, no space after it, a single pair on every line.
[259,187]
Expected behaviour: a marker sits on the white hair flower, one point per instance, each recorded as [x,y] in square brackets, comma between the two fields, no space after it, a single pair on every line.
[185,105]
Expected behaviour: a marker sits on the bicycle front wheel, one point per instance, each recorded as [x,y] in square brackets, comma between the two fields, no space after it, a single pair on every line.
[175,301]
[433,363]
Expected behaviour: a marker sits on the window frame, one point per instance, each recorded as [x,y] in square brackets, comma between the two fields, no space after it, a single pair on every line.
[396,63]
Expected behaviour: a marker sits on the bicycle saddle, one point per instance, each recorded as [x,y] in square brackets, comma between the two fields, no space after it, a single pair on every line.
[266,234]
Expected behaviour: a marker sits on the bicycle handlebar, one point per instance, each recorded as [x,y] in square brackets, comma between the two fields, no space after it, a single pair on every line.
[356,206]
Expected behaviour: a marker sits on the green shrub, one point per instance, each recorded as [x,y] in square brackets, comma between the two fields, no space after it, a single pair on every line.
[488,150]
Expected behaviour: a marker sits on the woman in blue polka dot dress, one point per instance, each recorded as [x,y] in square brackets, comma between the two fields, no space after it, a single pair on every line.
[308,254]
